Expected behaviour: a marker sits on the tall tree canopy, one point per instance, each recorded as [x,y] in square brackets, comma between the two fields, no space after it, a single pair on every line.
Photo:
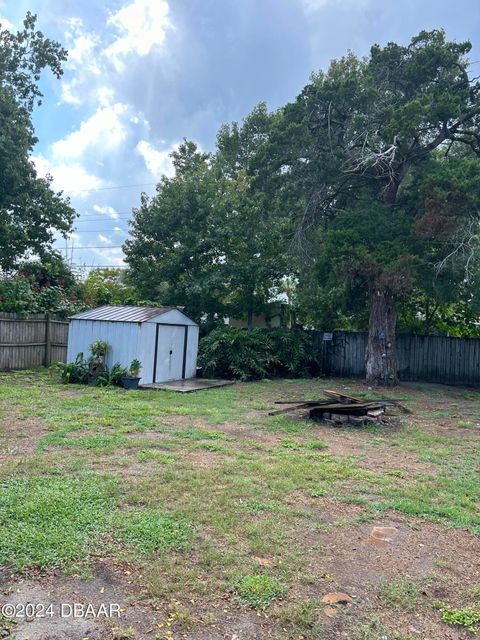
[209,239]
[385,204]
[30,212]
[363,192]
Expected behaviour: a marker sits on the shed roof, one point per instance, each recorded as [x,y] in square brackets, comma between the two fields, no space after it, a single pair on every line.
[120,313]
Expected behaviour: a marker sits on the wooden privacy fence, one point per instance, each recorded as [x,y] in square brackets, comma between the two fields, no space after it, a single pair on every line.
[31,341]
[420,358]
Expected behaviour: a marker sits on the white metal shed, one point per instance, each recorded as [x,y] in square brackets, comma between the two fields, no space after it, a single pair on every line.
[164,339]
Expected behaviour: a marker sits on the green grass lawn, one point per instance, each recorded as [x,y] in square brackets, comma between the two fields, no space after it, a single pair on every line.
[217,507]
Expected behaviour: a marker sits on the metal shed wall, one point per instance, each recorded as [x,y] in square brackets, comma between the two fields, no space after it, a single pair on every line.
[123,337]
[192,349]
[129,340]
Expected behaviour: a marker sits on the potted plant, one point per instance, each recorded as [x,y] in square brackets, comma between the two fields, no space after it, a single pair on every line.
[99,349]
[131,380]
[96,363]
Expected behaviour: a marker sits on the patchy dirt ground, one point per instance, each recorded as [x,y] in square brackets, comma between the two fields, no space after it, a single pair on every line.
[367,531]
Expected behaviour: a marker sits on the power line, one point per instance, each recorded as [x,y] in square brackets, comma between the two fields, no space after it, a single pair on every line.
[101,246]
[103,230]
[121,186]
[99,266]
[105,215]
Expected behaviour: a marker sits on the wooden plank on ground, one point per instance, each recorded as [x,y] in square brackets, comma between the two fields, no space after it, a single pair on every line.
[342,397]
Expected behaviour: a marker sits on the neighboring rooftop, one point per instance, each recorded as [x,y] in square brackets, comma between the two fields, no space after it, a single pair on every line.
[121,313]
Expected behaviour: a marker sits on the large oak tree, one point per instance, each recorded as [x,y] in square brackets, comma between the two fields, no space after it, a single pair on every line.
[386,202]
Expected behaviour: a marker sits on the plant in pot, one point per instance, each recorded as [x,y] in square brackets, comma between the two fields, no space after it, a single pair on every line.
[131,380]
[98,349]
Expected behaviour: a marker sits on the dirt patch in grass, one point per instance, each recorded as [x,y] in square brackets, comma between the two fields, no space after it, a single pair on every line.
[107,590]
[442,565]
[20,435]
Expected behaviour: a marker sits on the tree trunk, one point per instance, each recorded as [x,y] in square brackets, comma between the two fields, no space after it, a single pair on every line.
[250,320]
[381,356]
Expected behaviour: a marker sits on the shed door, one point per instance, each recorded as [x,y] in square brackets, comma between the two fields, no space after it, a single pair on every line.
[170,349]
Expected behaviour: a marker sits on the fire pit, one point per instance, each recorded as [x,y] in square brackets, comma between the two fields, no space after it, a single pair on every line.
[338,409]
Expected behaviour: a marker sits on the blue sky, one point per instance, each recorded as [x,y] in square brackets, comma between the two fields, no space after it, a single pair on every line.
[144,74]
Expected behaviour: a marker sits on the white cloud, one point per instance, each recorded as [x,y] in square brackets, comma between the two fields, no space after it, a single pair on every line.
[6,24]
[141,26]
[80,42]
[111,256]
[104,239]
[103,130]
[82,61]
[106,210]
[157,162]
[73,178]
[67,160]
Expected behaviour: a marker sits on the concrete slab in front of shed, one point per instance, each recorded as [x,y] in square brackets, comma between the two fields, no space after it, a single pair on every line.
[184,386]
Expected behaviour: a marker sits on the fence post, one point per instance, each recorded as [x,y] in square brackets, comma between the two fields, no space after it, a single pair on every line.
[48,340]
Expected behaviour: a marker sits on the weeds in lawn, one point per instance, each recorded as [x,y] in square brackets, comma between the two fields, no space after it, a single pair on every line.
[212,446]
[474,593]
[402,593]
[49,521]
[468,617]
[152,454]
[6,627]
[148,531]
[258,591]
[316,445]
[302,617]
[97,442]
[374,629]
[123,633]
[465,424]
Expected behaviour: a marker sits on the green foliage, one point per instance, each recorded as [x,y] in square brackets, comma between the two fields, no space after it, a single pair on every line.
[134,369]
[468,617]
[258,591]
[149,531]
[50,521]
[78,371]
[30,212]
[19,295]
[235,353]
[99,348]
[402,593]
[260,353]
[107,286]
[75,372]
[116,374]
[211,239]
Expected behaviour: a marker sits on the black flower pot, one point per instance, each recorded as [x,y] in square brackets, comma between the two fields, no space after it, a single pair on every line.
[130,383]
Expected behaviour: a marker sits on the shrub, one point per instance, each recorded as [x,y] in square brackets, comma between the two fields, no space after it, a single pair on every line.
[73,372]
[260,353]
[20,295]
[78,372]
[294,352]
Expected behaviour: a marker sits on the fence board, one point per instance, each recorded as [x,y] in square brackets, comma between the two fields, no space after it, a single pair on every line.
[31,341]
[420,358]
